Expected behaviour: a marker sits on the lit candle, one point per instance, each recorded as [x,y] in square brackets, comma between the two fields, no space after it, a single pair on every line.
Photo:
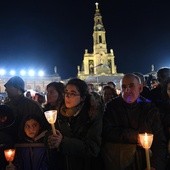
[51,117]
[146,142]
[9,154]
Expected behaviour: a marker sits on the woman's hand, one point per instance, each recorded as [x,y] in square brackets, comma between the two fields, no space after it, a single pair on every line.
[55,140]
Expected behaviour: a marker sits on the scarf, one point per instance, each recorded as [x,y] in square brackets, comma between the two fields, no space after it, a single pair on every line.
[68,112]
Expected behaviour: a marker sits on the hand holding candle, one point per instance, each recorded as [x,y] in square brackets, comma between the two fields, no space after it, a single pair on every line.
[51,117]
[146,142]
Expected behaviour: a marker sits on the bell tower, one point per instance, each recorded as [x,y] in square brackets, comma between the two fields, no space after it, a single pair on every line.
[100,61]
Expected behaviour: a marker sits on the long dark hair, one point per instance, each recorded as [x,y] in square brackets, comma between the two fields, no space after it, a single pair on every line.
[59,87]
[89,101]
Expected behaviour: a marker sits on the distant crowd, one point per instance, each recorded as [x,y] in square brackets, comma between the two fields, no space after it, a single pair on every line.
[94,129]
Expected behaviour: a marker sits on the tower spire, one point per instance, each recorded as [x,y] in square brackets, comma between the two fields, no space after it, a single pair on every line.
[97,5]
[100,61]
[99,38]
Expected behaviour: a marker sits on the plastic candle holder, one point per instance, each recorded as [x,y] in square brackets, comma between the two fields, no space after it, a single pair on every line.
[51,117]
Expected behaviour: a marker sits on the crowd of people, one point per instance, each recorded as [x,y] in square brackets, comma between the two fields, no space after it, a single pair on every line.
[93,130]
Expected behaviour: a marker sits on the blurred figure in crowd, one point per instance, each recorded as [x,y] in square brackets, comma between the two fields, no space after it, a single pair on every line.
[20,105]
[108,93]
[145,90]
[156,94]
[7,133]
[93,92]
[28,94]
[39,98]
[111,84]
[164,109]
[55,95]
[154,83]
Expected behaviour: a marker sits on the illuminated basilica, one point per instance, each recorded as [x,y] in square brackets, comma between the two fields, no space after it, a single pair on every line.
[99,66]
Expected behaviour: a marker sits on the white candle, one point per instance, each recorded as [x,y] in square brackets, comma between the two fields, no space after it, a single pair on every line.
[53,129]
[51,117]
[146,142]
[147,159]
[9,154]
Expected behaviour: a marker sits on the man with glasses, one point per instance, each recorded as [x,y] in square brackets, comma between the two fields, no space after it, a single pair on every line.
[124,118]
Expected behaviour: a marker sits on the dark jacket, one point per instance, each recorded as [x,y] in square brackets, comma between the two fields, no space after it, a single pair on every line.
[123,122]
[7,133]
[31,153]
[31,156]
[156,94]
[81,141]
[23,106]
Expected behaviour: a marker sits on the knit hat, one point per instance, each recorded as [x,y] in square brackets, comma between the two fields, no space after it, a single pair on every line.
[16,82]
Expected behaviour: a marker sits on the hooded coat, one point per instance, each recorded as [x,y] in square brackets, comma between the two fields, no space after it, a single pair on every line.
[31,154]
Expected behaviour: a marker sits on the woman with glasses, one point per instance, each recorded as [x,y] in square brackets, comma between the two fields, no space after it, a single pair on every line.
[79,124]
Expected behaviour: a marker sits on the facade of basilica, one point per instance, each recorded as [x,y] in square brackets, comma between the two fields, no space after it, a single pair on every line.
[99,66]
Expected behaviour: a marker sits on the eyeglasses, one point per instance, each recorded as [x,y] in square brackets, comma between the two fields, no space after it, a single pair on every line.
[131,85]
[71,95]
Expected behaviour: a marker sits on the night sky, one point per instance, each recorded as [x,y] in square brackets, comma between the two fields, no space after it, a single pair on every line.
[44,34]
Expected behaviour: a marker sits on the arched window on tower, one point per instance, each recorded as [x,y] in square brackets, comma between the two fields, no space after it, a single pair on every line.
[100,39]
[91,67]
[110,64]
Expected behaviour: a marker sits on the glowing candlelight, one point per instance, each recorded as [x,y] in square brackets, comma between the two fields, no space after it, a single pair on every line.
[9,154]
[51,117]
[146,142]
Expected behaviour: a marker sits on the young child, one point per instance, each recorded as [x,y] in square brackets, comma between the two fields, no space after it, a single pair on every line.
[31,152]
[31,129]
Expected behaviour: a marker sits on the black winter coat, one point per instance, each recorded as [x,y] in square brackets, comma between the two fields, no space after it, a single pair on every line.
[81,143]
[123,122]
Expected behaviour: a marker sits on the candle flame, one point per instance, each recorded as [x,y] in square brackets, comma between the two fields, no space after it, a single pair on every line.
[146,140]
[9,154]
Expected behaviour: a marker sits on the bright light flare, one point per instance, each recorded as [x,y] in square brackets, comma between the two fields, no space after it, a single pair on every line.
[41,73]
[12,72]
[2,72]
[31,72]
[22,72]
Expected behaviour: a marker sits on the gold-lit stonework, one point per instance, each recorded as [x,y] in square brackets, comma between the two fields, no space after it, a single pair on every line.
[100,62]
